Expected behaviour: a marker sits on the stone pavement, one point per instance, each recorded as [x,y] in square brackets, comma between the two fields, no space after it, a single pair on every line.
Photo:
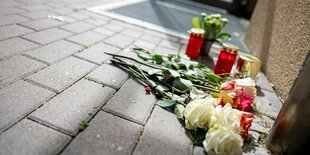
[54,76]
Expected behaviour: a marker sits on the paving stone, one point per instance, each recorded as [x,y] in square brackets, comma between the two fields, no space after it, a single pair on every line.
[264,89]
[10,10]
[262,124]
[163,134]
[144,44]
[135,105]
[132,33]
[198,150]
[183,49]
[15,46]
[42,24]
[37,14]
[254,138]
[161,35]
[109,75]
[77,27]
[120,40]
[113,27]
[95,15]
[150,38]
[54,52]
[12,31]
[253,150]
[28,137]
[4,4]
[54,5]
[76,104]
[183,41]
[104,31]
[17,67]
[106,134]
[63,11]
[87,38]
[129,53]
[11,19]
[68,19]
[77,6]
[79,16]
[96,21]
[127,25]
[170,44]
[35,7]
[62,74]
[31,2]
[170,38]
[18,100]
[135,27]
[96,53]
[165,51]
[48,36]
[273,98]
[264,106]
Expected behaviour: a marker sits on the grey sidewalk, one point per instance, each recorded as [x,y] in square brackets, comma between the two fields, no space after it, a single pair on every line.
[55,75]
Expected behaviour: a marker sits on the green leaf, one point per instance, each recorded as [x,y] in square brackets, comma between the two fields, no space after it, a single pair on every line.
[154,71]
[166,103]
[198,72]
[200,66]
[168,73]
[150,83]
[215,95]
[196,93]
[223,36]
[182,66]
[179,111]
[144,57]
[158,59]
[196,22]
[214,78]
[198,136]
[183,84]
[83,125]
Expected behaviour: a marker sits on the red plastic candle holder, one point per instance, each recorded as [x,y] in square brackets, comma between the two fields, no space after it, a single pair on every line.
[226,59]
[195,43]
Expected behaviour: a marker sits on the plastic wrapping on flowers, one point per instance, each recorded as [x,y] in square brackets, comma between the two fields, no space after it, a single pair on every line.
[215,111]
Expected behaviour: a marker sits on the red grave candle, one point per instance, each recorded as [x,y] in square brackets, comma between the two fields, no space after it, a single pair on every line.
[226,59]
[195,43]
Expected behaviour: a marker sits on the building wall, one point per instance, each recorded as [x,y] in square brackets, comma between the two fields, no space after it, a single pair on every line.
[279,34]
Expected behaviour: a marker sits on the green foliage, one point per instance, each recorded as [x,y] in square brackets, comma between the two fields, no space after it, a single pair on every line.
[196,22]
[213,25]
[166,103]
[198,136]
[83,125]
[179,111]
[175,79]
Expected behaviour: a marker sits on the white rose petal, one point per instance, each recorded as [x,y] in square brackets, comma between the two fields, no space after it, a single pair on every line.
[226,116]
[198,112]
[222,141]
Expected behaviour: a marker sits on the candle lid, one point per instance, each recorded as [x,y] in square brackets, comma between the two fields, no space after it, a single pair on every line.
[198,32]
[230,48]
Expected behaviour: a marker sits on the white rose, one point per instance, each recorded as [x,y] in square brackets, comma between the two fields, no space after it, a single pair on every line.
[248,86]
[198,112]
[227,117]
[222,141]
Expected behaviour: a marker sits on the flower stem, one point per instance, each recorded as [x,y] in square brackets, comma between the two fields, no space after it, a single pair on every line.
[129,58]
[206,88]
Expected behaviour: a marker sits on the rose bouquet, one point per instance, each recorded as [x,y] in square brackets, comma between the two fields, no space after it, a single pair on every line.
[210,107]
